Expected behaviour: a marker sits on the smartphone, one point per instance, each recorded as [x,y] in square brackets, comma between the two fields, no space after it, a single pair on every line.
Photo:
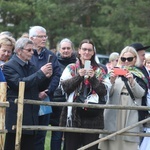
[87,64]
[120,71]
[49,59]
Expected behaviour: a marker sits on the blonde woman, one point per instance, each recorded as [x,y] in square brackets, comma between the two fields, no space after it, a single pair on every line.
[115,119]
[7,45]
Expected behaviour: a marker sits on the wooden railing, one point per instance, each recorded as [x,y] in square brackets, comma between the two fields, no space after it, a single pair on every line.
[19,127]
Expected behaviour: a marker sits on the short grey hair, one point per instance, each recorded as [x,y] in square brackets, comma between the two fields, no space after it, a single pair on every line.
[66,40]
[113,56]
[33,30]
[6,33]
[21,43]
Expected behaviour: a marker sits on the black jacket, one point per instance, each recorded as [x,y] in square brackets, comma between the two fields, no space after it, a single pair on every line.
[58,95]
[16,71]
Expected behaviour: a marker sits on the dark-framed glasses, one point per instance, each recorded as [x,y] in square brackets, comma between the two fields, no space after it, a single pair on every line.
[129,59]
[28,50]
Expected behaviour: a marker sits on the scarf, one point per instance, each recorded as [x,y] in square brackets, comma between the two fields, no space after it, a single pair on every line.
[137,72]
[70,71]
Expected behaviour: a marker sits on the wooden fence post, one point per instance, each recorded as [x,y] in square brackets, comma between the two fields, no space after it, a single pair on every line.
[3,87]
[19,115]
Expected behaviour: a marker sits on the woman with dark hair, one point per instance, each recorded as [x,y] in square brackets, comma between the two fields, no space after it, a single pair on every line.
[79,83]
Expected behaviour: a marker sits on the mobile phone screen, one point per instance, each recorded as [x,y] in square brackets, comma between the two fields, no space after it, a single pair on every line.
[87,64]
[49,58]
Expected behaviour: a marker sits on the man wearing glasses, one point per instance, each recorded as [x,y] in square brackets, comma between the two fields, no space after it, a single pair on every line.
[19,68]
[40,57]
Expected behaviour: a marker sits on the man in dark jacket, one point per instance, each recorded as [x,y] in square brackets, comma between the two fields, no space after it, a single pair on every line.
[40,57]
[141,52]
[17,69]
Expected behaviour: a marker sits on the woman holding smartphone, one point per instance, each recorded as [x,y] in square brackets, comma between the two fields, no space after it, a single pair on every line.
[79,80]
[116,119]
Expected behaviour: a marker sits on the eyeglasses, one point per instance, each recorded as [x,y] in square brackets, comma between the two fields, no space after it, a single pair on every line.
[68,48]
[85,49]
[41,36]
[28,50]
[129,59]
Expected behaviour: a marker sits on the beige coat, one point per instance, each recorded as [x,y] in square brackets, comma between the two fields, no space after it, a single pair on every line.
[110,115]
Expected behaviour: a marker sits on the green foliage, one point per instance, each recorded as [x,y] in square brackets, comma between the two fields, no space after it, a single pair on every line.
[111,24]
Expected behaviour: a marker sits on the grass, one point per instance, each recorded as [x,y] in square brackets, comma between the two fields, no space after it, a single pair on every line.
[47,140]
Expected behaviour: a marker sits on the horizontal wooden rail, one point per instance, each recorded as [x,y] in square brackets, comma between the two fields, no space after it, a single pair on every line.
[79,130]
[3,131]
[114,134]
[4,104]
[102,106]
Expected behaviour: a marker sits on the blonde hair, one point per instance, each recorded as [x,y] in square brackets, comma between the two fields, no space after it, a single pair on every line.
[7,40]
[131,50]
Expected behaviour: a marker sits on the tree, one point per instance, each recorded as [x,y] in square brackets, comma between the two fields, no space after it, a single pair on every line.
[111,24]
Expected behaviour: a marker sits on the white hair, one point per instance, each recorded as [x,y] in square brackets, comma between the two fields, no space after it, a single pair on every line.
[33,30]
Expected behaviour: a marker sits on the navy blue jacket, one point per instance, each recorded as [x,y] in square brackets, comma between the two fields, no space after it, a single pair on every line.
[2,78]
[15,70]
[41,59]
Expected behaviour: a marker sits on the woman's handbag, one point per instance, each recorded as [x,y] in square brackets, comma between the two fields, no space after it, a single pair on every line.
[91,99]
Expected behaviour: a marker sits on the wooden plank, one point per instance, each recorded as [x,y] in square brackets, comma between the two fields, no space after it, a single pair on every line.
[101,106]
[114,134]
[19,115]
[4,104]
[79,130]
[3,87]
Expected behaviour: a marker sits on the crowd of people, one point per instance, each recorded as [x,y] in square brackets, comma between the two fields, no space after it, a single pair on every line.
[70,75]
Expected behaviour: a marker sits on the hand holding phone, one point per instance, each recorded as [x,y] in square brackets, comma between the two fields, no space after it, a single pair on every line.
[49,59]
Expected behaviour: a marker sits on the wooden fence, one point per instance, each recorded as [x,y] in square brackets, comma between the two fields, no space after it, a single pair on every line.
[3,105]
[21,101]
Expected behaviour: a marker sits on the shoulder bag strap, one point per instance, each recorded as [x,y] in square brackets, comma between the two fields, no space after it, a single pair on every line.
[128,88]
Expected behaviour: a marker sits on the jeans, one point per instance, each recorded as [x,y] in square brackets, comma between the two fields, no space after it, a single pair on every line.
[56,140]
[40,136]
